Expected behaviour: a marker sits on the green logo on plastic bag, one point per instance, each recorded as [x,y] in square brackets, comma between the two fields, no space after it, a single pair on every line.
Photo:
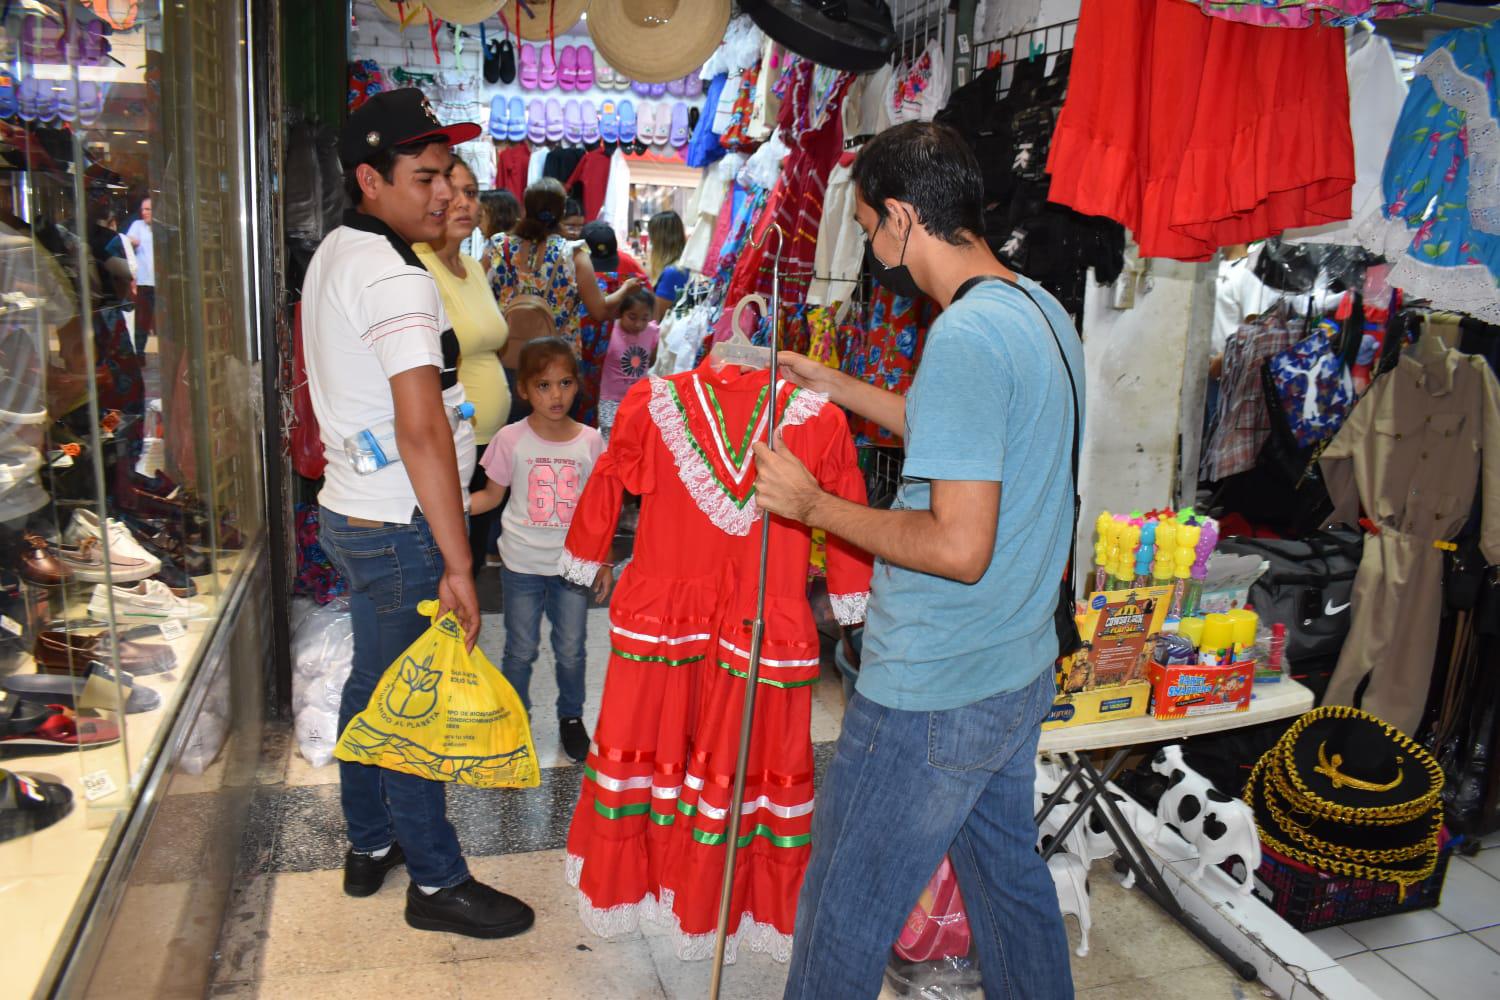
[413,695]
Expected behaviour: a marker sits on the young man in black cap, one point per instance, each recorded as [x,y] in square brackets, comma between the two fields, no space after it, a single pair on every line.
[379,348]
[605,253]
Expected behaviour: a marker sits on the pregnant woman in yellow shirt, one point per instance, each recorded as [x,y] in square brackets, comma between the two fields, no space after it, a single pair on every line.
[480,328]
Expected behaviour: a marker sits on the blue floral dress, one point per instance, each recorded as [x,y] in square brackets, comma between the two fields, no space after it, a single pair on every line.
[1440,224]
[554,280]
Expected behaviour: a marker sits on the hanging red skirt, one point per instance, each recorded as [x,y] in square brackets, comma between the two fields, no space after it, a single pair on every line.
[1196,132]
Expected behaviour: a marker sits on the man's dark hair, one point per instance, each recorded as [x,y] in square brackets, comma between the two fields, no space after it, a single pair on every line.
[384,163]
[933,170]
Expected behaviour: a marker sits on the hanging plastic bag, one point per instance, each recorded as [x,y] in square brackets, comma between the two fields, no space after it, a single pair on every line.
[937,927]
[445,714]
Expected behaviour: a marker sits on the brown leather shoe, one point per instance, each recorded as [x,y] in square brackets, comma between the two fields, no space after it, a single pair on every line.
[39,564]
[72,652]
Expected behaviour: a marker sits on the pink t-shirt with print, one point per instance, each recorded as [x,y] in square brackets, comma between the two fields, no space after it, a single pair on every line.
[546,479]
[627,359]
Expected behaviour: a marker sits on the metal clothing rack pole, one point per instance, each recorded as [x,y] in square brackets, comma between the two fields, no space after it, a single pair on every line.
[757,632]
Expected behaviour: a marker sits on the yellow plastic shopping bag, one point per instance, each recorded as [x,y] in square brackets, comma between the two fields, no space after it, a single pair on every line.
[443,713]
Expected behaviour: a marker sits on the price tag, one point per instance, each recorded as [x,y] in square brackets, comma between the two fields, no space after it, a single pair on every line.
[10,625]
[98,784]
[963,44]
[172,629]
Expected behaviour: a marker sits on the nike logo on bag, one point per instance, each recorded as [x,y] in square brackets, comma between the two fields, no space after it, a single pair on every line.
[1329,609]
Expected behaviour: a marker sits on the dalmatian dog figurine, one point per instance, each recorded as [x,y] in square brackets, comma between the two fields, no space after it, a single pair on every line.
[1228,831]
[1182,804]
[1070,877]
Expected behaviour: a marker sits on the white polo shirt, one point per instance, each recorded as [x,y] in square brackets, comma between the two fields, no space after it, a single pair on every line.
[370,311]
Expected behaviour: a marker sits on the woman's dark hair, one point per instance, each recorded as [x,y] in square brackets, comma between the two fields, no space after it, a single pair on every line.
[546,202]
[668,239]
[541,352]
[641,296]
[499,211]
[384,163]
[933,170]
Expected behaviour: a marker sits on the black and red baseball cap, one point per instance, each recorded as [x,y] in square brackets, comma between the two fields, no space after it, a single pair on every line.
[396,118]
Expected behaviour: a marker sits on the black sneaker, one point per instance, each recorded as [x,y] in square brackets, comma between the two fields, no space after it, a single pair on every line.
[470,908]
[364,874]
[575,738]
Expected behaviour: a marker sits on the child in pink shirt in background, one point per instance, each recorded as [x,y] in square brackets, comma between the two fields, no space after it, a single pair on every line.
[629,356]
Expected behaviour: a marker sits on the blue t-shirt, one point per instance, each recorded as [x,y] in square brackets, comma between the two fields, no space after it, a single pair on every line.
[669,285]
[991,403]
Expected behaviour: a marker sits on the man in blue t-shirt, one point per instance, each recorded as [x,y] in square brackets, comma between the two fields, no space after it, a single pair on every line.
[937,749]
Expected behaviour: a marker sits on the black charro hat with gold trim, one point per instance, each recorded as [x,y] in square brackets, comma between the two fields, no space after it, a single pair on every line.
[1348,794]
[1342,763]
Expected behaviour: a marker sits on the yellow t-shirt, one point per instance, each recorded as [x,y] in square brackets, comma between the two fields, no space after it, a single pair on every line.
[481,334]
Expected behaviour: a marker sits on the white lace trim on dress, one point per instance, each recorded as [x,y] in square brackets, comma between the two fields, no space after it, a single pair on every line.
[1467,93]
[626,917]
[708,496]
[579,571]
[849,609]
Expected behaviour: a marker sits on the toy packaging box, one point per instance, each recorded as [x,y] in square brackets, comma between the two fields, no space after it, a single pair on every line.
[1190,689]
[1106,679]
[1116,627]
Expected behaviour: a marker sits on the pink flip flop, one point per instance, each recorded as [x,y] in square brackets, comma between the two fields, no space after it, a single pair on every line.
[590,115]
[567,68]
[662,122]
[529,67]
[547,75]
[554,120]
[645,124]
[585,68]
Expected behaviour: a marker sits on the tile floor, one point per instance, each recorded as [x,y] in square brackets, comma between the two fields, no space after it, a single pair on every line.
[291,932]
[1450,953]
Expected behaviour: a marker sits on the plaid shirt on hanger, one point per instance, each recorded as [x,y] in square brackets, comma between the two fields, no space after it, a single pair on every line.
[1241,424]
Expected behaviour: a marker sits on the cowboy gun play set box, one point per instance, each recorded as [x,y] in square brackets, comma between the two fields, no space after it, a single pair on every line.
[1106,679]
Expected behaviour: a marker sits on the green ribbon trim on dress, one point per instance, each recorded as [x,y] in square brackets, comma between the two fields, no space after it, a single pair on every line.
[737,457]
[761,830]
[634,809]
[642,658]
[763,680]
[749,432]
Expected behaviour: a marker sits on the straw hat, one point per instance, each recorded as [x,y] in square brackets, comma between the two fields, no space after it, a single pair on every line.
[415,10]
[546,18]
[464,11]
[656,41]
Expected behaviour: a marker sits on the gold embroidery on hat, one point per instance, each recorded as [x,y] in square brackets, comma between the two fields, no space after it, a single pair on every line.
[1330,770]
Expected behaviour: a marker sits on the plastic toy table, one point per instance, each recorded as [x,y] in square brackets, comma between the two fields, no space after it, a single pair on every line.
[1072,746]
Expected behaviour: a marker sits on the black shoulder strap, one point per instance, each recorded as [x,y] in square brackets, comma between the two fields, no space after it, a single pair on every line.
[969,286]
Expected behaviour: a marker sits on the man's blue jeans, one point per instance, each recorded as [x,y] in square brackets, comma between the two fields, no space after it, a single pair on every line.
[526,596]
[390,569]
[903,788]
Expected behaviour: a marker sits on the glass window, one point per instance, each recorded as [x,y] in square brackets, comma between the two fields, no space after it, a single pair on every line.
[130,425]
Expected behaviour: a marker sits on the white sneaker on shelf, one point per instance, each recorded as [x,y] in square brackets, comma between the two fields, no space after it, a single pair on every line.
[85,524]
[153,458]
[149,600]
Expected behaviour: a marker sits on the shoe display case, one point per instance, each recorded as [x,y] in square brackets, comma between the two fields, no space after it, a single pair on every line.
[132,509]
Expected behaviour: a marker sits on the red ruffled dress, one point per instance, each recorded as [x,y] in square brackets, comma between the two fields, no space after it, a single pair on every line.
[1196,132]
[649,834]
